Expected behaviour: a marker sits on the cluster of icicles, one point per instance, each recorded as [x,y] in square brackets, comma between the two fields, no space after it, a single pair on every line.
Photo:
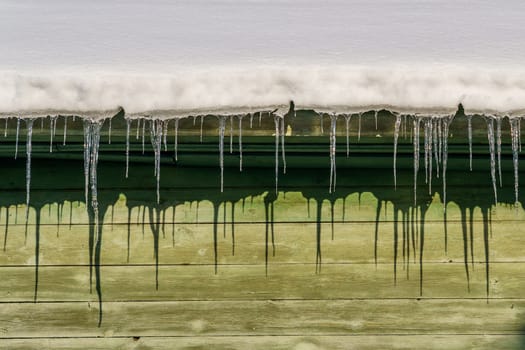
[435,140]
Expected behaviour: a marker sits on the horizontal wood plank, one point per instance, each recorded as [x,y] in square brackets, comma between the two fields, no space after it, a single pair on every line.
[301,342]
[282,281]
[243,318]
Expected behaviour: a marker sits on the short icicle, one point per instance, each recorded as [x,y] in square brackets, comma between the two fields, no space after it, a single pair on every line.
[65,131]
[17,134]
[375,117]
[469,127]
[359,127]
[109,131]
[283,152]
[176,138]
[52,130]
[347,126]
[231,134]
[29,123]
[143,134]
[396,138]
[333,143]
[202,126]
[240,142]
[5,129]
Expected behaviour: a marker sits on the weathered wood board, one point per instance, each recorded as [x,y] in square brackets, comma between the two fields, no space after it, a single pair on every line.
[365,267]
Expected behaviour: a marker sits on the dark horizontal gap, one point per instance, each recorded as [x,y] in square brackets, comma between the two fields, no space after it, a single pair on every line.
[276,264]
[313,221]
[157,301]
[280,335]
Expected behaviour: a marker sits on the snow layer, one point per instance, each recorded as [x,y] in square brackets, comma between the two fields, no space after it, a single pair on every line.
[195,55]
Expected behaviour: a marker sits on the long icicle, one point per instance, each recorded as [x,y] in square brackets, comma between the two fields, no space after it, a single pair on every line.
[157,128]
[87,154]
[417,121]
[276,121]
[396,137]
[444,157]
[514,134]
[492,151]
[128,127]
[333,143]
[222,126]
[29,123]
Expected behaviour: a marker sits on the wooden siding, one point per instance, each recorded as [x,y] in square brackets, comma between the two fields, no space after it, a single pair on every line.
[362,268]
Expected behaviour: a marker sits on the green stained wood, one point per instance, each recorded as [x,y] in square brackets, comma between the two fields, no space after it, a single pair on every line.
[198,270]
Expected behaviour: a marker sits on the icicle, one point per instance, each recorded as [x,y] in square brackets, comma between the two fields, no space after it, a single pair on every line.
[492,150]
[65,130]
[240,142]
[29,123]
[430,143]
[375,117]
[157,128]
[396,137]
[138,128]
[128,127]
[519,132]
[359,128]
[109,131]
[347,125]
[333,143]
[176,138]
[231,134]
[87,154]
[5,130]
[444,156]
[17,133]
[417,121]
[251,120]
[469,120]
[260,118]
[498,135]
[52,129]
[515,142]
[276,121]
[143,134]
[165,134]
[435,122]
[283,152]
[222,126]
[202,124]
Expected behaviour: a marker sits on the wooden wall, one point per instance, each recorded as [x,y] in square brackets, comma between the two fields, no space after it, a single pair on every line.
[362,268]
